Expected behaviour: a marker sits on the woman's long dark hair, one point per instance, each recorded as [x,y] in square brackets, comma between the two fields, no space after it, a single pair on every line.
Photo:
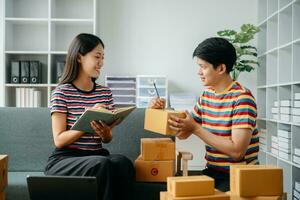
[81,44]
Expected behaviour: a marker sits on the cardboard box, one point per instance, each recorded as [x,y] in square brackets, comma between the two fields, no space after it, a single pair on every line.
[256,180]
[153,171]
[3,172]
[297,151]
[156,120]
[284,133]
[296,111]
[218,195]
[285,103]
[285,110]
[2,196]
[185,186]
[296,119]
[157,149]
[297,104]
[285,117]
[283,197]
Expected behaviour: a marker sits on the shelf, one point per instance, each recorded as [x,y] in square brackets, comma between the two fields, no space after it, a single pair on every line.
[27,36]
[272,7]
[271,71]
[285,64]
[79,9]
[296,62]
[26,85]
[58,52]
[296,20]
[278,79]
[20,8]
[69,31]
[70,21]
[262,7]
[272,34]
[285,26]
[42,30]
[27,52]
[42,58]
[26,20]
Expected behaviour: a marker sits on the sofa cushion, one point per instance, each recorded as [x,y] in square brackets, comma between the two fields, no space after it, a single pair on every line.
[26,137]
[17,185]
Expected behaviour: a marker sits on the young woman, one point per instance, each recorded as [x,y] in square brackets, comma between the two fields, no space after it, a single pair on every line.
[78,153]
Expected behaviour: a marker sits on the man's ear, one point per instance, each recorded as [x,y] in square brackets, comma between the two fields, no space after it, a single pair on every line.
[222,69]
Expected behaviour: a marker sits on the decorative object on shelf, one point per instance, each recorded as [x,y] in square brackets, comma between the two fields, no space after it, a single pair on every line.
[246,53]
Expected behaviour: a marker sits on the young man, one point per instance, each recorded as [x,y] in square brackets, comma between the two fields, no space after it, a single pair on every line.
[224,116]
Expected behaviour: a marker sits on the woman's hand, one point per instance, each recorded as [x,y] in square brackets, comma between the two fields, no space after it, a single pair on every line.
[157,103]
[103,130]
[184,126]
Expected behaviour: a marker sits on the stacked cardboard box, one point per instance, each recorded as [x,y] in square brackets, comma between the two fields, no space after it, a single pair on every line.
[284,144]
[285,110]
[263,139]
[192,188]
[296,109]
[296,156]
[3,175]
[157,160]
[156,120]
[256,182]
[274,145]
[296,192]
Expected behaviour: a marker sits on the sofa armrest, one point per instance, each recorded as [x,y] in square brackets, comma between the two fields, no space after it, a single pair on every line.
[183,157]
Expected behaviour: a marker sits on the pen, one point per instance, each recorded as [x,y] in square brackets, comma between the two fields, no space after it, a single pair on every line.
[156,90]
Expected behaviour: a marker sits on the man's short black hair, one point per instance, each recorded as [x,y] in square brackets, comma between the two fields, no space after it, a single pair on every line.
[216,51]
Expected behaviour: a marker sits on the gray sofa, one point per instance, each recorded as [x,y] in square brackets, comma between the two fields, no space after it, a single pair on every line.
[25,135]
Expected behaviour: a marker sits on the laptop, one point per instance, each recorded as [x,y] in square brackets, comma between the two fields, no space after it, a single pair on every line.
[62,188]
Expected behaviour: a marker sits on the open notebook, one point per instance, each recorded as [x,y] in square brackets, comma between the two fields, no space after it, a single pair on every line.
[106,116]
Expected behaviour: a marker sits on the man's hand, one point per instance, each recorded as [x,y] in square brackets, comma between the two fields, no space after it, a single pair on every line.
[157,103]
[184,126]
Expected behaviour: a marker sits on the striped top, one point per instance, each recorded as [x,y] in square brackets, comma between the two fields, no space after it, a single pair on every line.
[68,99]
[219,113]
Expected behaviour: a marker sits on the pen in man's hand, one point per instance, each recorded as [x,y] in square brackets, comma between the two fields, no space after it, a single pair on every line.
[156,89]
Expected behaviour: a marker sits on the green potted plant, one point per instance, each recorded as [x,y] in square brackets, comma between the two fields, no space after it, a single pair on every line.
[246,53]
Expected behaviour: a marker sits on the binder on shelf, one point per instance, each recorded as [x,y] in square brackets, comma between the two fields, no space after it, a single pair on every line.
[60,65]
[25,73]
[15,72]
[35,72]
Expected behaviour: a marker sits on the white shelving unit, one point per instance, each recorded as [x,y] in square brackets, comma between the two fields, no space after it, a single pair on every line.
[41,30]
[123,89]
[278,80]
[145,89]
[137,90]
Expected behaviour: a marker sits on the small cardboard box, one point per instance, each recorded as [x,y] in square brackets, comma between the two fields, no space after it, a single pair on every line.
[3,172]
[184,186]
[283,197]
[2,196]
[256,180]
[218,195]
[153,171]
[157,149]
[156,120]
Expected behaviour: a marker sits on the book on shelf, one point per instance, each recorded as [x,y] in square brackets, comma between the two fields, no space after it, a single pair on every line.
[28,97]
[100,114]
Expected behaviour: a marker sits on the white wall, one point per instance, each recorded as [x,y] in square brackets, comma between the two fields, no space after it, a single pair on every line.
[159,37]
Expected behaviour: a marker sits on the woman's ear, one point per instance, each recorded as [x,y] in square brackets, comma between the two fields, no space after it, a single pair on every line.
[79,57]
